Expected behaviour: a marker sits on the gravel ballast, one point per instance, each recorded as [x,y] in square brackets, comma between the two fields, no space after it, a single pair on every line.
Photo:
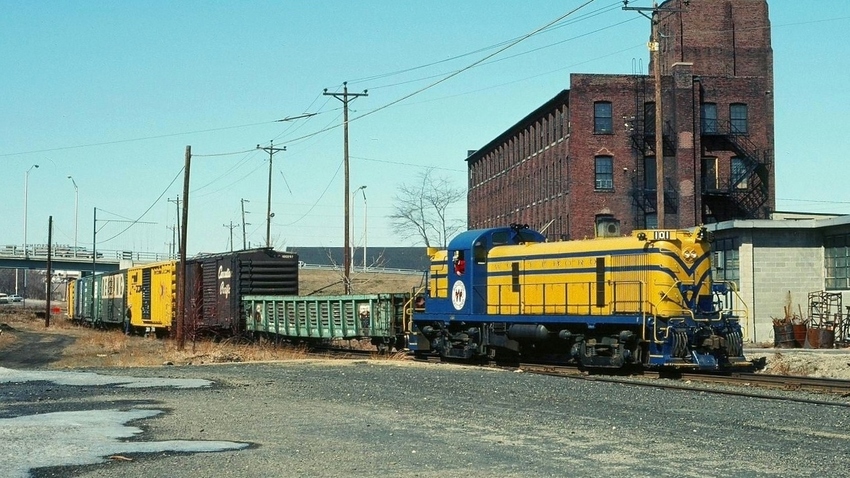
[368,418]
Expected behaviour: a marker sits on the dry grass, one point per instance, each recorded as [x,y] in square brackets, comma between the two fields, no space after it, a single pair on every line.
[800,366]
[329,282]
[111,348]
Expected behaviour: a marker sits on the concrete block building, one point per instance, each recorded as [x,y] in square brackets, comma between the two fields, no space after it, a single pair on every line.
[790,261]
[584,162]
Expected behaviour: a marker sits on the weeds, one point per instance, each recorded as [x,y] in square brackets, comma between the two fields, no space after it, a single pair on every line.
[111,348]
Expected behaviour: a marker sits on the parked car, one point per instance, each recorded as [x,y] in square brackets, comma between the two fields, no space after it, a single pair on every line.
[15,298]
[4,299]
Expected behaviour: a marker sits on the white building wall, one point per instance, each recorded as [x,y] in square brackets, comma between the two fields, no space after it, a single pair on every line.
[780,262]
[785,269]
[745,262]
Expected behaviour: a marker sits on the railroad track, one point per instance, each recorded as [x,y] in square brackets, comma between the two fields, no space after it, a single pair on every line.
[782,382]
[738,384]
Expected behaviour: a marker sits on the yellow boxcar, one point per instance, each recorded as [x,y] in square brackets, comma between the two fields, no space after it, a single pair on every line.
[71,298]
[152,296]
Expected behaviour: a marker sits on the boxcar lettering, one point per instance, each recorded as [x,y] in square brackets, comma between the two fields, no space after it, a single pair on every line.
[224,289]
[224,273]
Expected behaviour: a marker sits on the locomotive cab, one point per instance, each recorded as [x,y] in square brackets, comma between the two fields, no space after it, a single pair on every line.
[460,272]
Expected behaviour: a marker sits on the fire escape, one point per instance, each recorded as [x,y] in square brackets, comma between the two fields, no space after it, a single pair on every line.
[745,193]
[641,128]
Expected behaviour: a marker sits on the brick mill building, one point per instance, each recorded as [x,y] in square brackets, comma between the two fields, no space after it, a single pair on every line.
[584,161]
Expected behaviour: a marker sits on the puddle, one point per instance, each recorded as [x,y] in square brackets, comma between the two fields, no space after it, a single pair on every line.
[83,438]
[86,437]
[90,378]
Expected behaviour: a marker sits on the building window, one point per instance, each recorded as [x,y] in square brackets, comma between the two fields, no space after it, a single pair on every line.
[607,226]
[554,125]
[603,120]
[536,138]
[708,112]
[604,172]
[650,178]
[738,118]
[651,220]
[836,254]
[709,174]
[561,125]
[739,173]
[649,118]
[544,131]
[726,265]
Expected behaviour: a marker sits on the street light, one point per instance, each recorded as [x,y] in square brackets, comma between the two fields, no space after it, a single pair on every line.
[26,254]
[353,246]
[26,195]
[365,215]
[76,211]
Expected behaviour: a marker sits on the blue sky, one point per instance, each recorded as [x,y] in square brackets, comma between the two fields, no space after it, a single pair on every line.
[111,93]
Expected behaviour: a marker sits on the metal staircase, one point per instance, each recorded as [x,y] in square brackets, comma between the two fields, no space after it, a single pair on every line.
[747,190]
[642,133]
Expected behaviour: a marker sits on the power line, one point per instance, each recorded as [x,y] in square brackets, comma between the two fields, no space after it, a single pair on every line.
[143,138]
[409,164]
[558,24]
[134,222]
[478,62]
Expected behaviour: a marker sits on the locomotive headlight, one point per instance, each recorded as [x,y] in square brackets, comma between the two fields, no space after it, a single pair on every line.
[690,255]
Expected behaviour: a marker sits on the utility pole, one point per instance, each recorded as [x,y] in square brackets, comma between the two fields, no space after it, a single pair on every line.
[49,277]
[173,244]
[345,97]
[655,52]
[181,273]
[271,150]
[244,244]
[177,221]
[231,226]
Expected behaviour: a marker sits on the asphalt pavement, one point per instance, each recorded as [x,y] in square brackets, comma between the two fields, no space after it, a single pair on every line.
[368,418]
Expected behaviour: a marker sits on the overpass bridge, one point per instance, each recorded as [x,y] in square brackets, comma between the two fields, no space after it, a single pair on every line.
[73,259]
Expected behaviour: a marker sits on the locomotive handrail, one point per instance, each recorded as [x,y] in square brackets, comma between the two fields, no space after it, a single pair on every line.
[736,314]
[516,303]
[683,311]
[408,309]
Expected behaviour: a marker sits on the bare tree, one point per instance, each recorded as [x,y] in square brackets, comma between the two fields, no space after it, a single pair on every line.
[421,209]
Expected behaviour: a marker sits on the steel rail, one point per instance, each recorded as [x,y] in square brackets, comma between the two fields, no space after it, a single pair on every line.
[736,380]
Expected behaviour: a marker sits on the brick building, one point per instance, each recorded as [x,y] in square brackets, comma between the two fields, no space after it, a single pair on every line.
[584,161]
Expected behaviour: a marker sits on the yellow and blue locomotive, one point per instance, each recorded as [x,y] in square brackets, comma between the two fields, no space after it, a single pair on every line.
[646,299]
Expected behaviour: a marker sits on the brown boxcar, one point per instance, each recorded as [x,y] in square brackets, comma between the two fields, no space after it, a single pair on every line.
[215,284]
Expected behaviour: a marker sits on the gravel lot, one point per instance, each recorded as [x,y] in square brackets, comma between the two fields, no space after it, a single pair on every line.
[368,418]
